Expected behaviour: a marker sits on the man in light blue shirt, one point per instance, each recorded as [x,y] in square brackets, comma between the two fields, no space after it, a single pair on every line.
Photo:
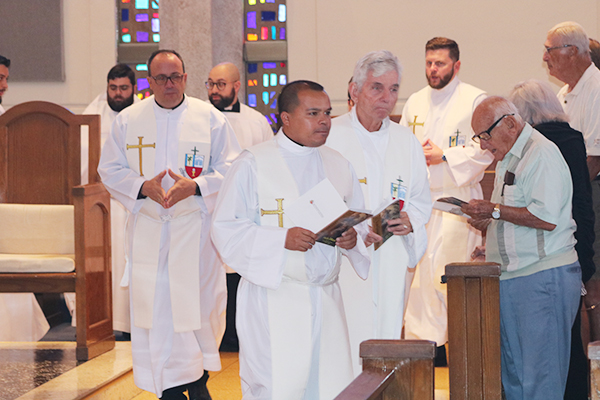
[530,234]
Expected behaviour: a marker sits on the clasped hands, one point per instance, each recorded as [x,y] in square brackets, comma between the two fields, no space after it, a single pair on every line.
[181,189]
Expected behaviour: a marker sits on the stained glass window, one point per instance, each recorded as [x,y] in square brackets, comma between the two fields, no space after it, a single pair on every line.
[265,77]
[139,25]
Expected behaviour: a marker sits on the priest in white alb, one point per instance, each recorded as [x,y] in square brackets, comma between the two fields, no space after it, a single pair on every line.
[389,163]
[164,161]
[440,117]
[290,321]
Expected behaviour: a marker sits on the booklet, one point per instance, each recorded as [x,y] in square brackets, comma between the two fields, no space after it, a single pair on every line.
[323,211]
[381,218]
[451,205]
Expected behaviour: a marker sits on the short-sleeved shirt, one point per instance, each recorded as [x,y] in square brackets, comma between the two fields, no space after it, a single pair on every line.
[542,184]
[582,105]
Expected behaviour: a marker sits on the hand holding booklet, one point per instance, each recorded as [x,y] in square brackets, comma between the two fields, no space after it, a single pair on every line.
[323,211]
[381,218]
[451,205]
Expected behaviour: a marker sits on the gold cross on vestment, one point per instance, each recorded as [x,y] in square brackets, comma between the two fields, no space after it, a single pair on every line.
[140,147]
[363,180]
[279,212]
[415,123]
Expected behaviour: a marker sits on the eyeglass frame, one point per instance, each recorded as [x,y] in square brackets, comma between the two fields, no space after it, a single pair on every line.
[174,78]
[210,84]
[549,49]
[477,137]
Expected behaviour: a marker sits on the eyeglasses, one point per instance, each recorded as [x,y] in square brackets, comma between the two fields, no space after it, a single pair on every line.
[122,88]
[549,49]
[162,79]
[219,84]
[487,134]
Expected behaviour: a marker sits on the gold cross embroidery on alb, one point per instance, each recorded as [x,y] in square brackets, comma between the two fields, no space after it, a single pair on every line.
[414,124]
[140,146]
[278,212]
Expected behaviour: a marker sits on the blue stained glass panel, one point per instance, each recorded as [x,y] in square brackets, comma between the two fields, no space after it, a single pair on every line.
[124,15]
[142,4]
[266,81]
[141,18]
[142,37]
[269,65]
[282,80]
[252,68]
[270,1]
[273,33]
[141,67]
[281,16]
[155,25]
[155,4]
[251,20]
[156,37]
[268,120]
[268,15]
[252,100]
[126,38]
[274,104]
[273,79]
[273,94]
[142,84]
[265,97]
[282,33]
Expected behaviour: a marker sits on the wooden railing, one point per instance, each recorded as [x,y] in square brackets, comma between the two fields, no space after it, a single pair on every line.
[474,330]
[394,369]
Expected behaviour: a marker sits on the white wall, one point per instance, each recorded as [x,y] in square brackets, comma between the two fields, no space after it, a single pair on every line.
[501,42]
[89,28]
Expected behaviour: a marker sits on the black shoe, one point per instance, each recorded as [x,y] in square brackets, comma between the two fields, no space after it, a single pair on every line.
[198,390]
[174,393]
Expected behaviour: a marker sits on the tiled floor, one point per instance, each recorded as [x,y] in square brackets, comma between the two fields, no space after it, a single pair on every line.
[225,384]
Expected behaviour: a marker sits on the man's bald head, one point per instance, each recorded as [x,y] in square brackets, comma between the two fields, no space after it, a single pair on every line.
[223,85]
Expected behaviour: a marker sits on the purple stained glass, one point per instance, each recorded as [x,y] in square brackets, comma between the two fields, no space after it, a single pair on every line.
[155,25]
[252,68]
[124,15]
[251,20]
[142,37]
[141,18]
[268,15]
[274,117]
[269,65]
[252,100]
[142,84]
[282,33]
[270,1]
[272,95]
[268,120]
[274,104]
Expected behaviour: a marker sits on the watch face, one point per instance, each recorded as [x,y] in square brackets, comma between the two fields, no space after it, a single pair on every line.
[496,213]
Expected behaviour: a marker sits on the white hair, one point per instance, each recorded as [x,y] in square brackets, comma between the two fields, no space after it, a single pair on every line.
[572,33]
[378,62]
[537,103]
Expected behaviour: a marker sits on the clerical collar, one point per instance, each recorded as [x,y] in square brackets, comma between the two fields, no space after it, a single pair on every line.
[165,108]
[233,108]
[292,140]
[292,148]
[440,95]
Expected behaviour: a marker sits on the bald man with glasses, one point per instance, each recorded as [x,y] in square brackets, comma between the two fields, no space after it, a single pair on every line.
[164,161]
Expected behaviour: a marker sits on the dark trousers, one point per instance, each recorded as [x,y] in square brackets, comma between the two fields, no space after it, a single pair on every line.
[577,380]
[196,390]
[230,338]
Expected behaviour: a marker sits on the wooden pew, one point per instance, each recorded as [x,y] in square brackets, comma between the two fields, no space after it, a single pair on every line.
[394,369]
[474,330]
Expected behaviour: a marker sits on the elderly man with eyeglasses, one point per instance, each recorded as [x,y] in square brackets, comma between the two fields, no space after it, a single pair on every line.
[164,161]
[530,234]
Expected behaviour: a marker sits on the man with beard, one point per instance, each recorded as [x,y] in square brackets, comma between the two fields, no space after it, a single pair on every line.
[118,96]
[251,128]
[440,116]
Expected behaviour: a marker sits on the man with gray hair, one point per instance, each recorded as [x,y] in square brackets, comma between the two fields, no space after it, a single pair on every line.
[389,162]
[530,234]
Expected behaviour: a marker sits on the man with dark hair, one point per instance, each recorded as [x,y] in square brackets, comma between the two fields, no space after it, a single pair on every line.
[119,95]
[164,161]
[291,324]
[440,117]
[4,66]
[250,127]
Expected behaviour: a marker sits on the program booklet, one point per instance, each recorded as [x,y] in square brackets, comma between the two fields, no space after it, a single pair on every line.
[347,220]
[451,205]
[380,220]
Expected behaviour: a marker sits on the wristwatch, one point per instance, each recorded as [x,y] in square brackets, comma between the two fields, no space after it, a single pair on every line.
[444,158]
[496,212]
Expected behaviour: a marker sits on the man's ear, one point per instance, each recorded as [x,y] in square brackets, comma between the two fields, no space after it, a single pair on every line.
[285,118]
[353,89]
